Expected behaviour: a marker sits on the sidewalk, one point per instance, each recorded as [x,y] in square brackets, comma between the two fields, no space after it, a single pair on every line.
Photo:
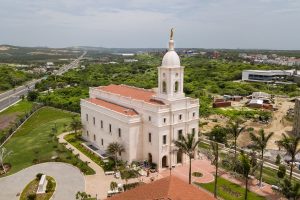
[97,184]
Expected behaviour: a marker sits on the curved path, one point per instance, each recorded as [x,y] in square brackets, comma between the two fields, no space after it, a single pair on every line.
[69,180]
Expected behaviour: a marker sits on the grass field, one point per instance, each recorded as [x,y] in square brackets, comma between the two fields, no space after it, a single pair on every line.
[36,141]
[229,191]
[13,113]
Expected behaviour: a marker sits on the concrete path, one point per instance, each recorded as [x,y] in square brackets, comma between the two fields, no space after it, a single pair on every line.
[97,184]
[69,180]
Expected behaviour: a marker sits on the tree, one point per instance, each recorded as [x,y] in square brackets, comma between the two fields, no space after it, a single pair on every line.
[218,134]
[75,124]
[113,185]
[32,95]
[188,144]
[235,130]
[215,152]
[278,159]
[281,171]
[4,153]
[114,149]
[260,142]
[290,144]
[246,167]
[82,196]
[289,190]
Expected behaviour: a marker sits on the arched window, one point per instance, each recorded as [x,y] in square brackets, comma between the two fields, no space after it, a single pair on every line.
[164,87]
[176,86]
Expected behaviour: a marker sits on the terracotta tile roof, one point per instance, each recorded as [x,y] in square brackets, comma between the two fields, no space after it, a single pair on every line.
[133,92]
[169,188]
[112,106]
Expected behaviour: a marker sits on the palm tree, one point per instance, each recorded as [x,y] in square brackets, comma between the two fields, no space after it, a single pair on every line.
[290,190]
[246,167]
[75,124]
[4,153]
[290,144]
[235,130]
[260,143]
[113,149]
[188,144]
[215,151]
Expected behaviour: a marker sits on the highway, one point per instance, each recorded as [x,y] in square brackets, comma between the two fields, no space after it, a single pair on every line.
[12,96]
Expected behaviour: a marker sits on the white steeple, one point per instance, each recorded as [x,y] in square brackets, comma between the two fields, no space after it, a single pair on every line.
[170,74]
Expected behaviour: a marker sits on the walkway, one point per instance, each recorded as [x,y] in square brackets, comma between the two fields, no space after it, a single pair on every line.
[69,180]
[97,184]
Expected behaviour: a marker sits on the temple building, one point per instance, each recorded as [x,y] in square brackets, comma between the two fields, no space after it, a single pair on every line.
[145,122]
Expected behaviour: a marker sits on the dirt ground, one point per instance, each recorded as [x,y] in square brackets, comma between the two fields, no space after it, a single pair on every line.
[278,124]
[5,120]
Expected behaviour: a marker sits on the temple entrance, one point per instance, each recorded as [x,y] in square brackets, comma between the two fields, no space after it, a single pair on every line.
[149,158]
[164,162]
[179,156]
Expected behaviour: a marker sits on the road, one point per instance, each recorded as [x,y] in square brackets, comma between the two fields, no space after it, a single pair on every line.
[69,180]
[12,96]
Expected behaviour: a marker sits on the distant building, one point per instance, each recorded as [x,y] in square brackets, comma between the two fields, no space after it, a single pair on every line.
[266,75]
[296,125]
[130,60]
[169,188]
[127,54]
[49,63]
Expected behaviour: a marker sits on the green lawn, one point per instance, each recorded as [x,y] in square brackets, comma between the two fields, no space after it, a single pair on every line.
[229,191]
[36,141]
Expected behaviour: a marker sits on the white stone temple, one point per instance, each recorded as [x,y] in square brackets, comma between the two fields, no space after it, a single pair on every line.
[145,121]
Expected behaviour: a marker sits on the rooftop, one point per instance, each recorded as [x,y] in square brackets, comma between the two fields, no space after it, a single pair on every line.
[132,92]
[169,188]
[112,106]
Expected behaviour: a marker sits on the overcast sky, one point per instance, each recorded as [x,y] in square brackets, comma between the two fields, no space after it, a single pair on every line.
[270,24]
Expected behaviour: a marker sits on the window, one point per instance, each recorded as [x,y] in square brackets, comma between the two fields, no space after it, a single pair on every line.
[176,74]
[193,130]
[164,87]
[164,75]
[176,86]
[102,142]
[120,153]
[194,114]
[149,118]
[180,134]
[165,120]
[87,133]
[87,117]
[94,137]
[180,117]
[101,123]
[164,139]
[94,120]
[149,137]
[119,131]
[110,128]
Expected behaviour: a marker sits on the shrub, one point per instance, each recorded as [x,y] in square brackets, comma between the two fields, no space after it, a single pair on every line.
[50,186]
[31,196]
[197,174]
[38,176]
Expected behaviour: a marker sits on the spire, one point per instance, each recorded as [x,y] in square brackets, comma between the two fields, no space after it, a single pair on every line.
[171,41]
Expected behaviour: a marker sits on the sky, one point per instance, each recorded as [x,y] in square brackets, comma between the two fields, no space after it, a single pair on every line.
[250,24]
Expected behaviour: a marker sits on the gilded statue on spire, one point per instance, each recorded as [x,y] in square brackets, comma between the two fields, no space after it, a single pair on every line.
[172,33]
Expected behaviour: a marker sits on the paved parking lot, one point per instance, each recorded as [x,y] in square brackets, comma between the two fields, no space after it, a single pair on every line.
[68,179]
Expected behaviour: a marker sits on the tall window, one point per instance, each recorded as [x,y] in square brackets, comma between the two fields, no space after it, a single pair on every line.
[94,137]
[176,86]
[149,137]
[179,134]
[164,87]
[149,118]
[193,130]
[102,142]
[101,123]
[87,117]
[94,120]
[194,114]
[119,130]
[165,120]
[164,139]
[87,133]
[180,117]
[110,128]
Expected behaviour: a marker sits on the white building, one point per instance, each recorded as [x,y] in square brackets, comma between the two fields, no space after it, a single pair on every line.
[146,122]
[266,75]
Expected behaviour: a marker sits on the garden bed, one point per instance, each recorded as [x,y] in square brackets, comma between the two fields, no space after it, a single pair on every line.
[29,192]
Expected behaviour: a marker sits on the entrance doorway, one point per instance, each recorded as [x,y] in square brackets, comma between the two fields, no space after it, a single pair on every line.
[164,162]
[150,158]
[179,156]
